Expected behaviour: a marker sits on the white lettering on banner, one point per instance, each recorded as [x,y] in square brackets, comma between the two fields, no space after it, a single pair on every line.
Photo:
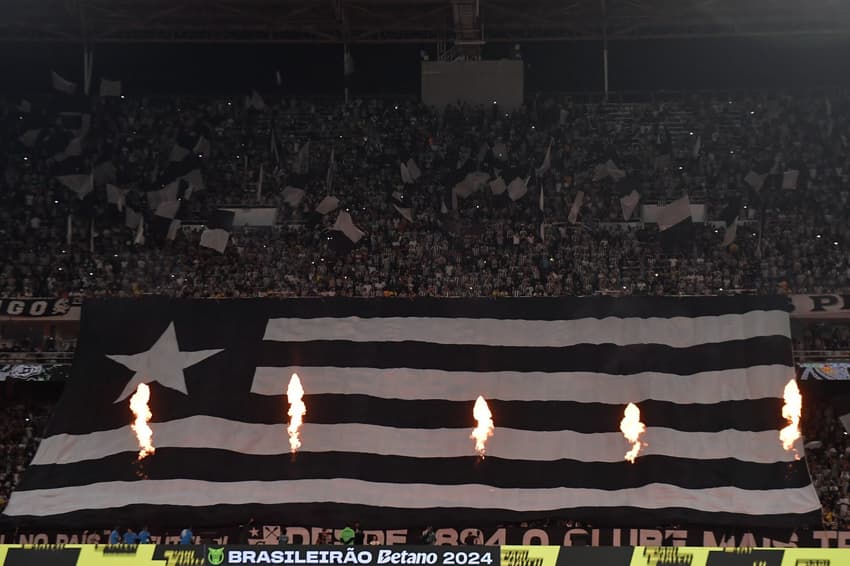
[35,307]
[38,308]
[820,306]
[15,307]
[297,535]
[535,537]
[498,538]
[448,537]
[650,537]
[406,557]
[578,536]
[678,536]
[568,536]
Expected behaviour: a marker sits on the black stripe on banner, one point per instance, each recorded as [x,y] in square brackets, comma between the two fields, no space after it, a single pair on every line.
[223,466]
[167,405]
[751,415]
[531,308]
[602,358]
[337,515]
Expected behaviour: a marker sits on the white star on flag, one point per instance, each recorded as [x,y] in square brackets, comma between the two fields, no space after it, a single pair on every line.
[163,363]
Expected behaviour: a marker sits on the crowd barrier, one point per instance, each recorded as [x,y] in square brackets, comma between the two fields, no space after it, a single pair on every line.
[200,555]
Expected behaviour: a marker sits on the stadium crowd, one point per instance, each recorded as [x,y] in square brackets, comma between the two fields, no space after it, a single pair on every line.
[831,337]
[727,153]
[21,426]
[483,244]
[828,456]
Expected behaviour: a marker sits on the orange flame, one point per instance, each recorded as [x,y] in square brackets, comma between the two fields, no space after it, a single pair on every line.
[485,427]
[791,411]
[632,429]
[140,426]
[297,410]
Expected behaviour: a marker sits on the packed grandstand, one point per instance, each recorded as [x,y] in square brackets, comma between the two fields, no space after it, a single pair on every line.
[128,218]
[788,240]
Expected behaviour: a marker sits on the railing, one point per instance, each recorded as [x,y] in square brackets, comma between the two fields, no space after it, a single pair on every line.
[36,357]
[802,356]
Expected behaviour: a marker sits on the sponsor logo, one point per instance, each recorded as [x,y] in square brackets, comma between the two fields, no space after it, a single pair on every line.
[670,555]
[120,549]
[215,556]
[183,558]
[174,555]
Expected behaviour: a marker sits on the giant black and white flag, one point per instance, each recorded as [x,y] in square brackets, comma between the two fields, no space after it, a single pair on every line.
[390,388]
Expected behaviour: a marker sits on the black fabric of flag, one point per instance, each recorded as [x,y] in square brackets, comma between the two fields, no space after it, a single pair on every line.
[217,233]
[676,226]
[390,386]
[166,221]
[730,216]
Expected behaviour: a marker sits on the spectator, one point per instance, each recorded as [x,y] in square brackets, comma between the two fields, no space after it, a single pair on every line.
[245,531]
[489,246]
[21,427]
[186,536]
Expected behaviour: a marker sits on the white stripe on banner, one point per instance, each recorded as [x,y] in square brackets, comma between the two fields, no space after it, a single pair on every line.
[194,493]
[757,382]
[510,444]
[679,332]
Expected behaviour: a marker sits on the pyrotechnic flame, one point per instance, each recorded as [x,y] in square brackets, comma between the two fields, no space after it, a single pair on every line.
[297,410]
[632,429]
[485,427]
[140,426]
[791,411]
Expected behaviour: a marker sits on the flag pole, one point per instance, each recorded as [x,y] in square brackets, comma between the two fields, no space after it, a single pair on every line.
[345,73]
[260,184]
[88,64]
[605,46]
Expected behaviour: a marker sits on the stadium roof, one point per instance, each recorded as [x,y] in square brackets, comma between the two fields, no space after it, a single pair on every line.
[412,21]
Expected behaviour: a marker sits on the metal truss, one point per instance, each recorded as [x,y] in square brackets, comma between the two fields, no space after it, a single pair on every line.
[411,21]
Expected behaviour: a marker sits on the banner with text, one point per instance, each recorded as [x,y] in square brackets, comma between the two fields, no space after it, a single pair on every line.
[149,555]
[36,308]
[555,536]
[360,555]
[34,372]
[820,306]
[102,555]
